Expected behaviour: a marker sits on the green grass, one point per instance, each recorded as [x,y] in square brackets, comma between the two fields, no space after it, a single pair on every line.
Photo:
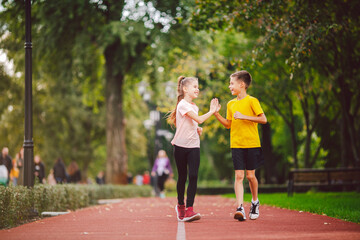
[341,205]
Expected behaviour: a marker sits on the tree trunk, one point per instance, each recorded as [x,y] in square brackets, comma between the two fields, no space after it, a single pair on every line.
[348,118]
[343,143]
[116,164]
[307,151]
[294,144]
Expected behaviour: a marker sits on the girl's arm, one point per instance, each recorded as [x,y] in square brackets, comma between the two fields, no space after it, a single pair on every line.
[203,118]
[261,118]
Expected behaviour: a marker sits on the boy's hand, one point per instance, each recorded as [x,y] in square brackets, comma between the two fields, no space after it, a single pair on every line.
[218,108]
[239,115]
[199,130]
[213,105]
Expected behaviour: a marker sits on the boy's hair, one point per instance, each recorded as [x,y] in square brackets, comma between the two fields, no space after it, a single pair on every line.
[243,76]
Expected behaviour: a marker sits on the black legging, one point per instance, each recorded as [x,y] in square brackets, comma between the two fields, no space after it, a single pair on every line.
[187,158]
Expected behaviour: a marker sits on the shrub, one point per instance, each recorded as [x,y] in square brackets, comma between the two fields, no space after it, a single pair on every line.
[18,204]
[15,203]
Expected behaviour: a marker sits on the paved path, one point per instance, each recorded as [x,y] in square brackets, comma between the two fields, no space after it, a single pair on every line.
[154,218]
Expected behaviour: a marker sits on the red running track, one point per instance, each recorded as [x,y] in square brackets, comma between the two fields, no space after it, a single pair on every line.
[154,218]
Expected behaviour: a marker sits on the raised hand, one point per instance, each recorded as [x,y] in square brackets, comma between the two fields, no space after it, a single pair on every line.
[218,107]
[214,105]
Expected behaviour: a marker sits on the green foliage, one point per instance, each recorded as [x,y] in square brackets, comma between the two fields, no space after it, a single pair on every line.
[17,203]
[319,66]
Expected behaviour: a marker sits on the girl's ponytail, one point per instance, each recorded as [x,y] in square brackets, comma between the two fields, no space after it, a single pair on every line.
[171,119]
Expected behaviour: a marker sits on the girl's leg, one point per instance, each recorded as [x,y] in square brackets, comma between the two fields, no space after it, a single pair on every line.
[253,183]
[239,188]
[193,162]
[181,165]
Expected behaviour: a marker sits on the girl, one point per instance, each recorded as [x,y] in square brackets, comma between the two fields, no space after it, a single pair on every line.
[187,143]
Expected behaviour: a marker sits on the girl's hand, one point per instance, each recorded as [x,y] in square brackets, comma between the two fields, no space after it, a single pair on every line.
[214,105]
[199,130]
[239,115]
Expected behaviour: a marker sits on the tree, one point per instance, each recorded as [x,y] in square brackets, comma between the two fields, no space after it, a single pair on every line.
[118,35]
[323,33]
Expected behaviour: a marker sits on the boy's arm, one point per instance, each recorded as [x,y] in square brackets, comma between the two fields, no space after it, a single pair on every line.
[225,122]
[261,118]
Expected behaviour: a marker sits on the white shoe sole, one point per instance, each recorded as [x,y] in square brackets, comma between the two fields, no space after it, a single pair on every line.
[192,218]
[239,216]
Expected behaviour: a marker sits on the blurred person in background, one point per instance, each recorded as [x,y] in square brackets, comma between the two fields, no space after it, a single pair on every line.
[60,171]
[162,170]
[139,179]
[74,173]
[129,178]
[39,169]
[50,178]
[20,165]
[14,173]
[146,178]
[100,178]
[6,160]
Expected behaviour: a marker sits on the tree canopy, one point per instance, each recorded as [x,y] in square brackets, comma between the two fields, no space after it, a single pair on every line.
[90,57]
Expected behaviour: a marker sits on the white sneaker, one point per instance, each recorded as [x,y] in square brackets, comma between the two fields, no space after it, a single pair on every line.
[240,214]
[254,210]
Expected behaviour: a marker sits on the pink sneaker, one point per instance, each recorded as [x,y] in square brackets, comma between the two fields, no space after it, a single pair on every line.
[180,212]
[190,215]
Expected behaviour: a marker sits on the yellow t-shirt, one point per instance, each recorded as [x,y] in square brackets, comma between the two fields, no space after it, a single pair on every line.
[244,133]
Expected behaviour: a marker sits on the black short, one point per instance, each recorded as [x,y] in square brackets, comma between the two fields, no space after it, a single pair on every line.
[247,158]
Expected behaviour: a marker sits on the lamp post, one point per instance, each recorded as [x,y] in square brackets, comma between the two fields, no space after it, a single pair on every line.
[28,131]
[155,117]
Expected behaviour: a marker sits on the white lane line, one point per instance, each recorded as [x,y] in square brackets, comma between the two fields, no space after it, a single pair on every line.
[181,234]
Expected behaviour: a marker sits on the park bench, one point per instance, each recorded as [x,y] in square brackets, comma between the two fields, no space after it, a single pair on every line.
[327,178]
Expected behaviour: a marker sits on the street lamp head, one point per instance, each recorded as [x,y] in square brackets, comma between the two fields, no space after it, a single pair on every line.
[155,115]
[148,123]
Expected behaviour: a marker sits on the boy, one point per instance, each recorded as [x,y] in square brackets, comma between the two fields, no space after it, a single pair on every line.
[242,117]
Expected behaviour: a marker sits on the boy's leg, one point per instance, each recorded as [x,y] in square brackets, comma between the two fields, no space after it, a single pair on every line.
[255,204]
[253,183]
[239,187]
[239,192]
[238,157]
